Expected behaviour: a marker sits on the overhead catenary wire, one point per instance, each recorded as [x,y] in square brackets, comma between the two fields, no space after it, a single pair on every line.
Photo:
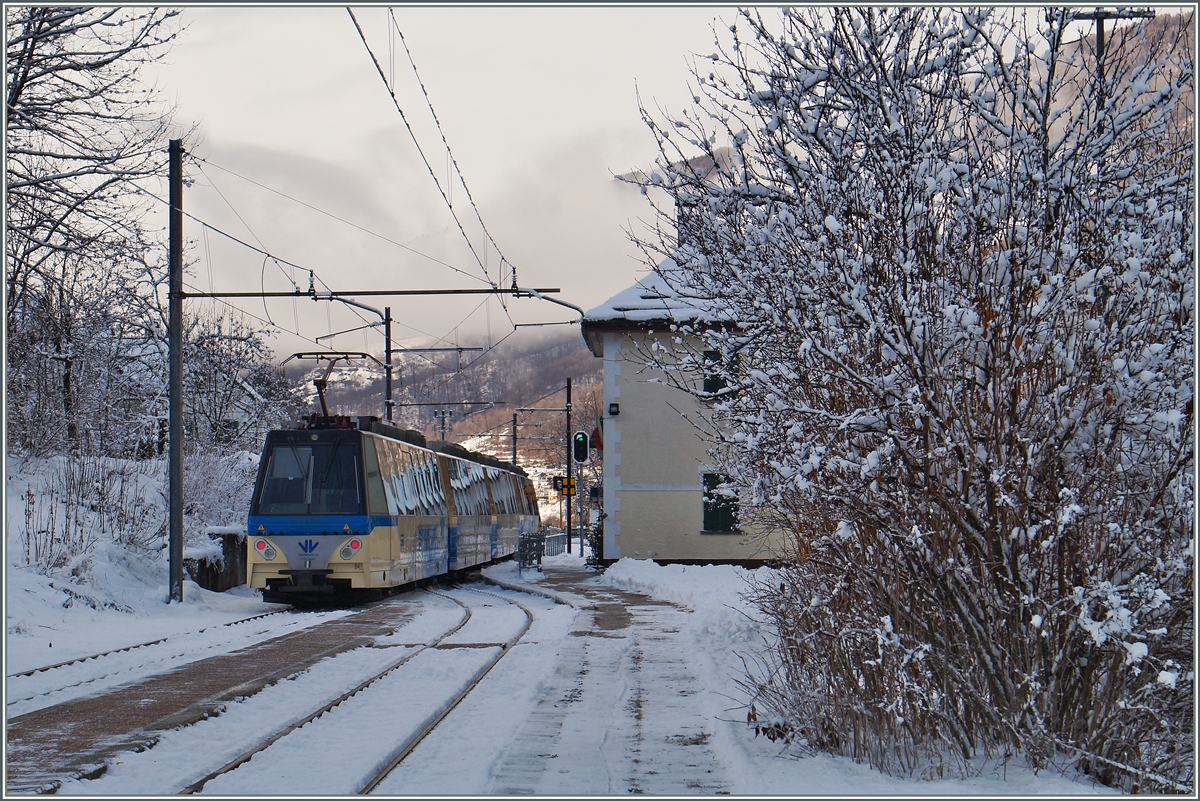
[342,220]
[254,316]
[428,166]
[291,278]
[262,249]
[241,219]
[280,262]
[449,151]
[278,259]
[472,363]
[424,158]
[462,178]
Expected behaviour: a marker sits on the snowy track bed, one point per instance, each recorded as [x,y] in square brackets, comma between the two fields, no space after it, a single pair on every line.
[38,688]
[87,736]
[628,684]
[354,732]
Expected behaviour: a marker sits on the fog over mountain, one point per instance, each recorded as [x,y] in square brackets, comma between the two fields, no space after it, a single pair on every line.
[510,375]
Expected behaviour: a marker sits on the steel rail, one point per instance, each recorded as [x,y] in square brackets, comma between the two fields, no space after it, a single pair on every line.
[408,747]
[133,647]
[245,757]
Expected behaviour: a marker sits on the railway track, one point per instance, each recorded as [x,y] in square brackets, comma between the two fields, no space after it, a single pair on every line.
[80,737]
[397,693]
[245,757]
[24,686]
[429,727]
[127,648]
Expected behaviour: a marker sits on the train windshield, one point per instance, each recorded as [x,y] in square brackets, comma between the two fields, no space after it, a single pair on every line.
[319,478]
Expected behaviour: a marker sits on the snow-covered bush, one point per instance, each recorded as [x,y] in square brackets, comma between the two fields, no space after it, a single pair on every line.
[76,503]
[961,264]
[85,500]
[217,489]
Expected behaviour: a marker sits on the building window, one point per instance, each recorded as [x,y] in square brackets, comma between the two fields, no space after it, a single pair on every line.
[720,509]
[716,368]
[713,382]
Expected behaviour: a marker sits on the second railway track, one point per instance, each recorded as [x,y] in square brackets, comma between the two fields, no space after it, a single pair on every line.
[31,689]
[436,719]
[80,659]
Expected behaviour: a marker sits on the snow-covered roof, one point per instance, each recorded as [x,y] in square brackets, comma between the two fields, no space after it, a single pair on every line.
[649,300]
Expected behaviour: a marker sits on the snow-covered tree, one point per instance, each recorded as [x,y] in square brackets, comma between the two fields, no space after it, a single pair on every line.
[960,258]
[81,130]
[233,394]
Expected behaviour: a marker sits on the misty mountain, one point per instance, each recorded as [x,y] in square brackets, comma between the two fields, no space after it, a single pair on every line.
[512,374]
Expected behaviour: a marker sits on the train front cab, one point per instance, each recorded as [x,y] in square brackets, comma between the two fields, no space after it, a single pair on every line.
[309,532]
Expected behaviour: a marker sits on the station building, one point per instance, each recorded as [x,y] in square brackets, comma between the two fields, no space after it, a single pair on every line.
[658,482]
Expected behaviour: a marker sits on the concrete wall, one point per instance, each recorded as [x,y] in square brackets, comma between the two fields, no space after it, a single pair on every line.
[654,459]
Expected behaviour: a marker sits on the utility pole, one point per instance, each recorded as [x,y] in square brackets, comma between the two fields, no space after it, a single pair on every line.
[388,403]
[442,414]
[569,497]
[514,441]
[175,372]
[1099,15]
[569,479]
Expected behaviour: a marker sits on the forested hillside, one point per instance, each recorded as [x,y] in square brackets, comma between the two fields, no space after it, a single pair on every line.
[510,375]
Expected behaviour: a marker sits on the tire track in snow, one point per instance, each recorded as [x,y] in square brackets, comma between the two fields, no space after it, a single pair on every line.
[623,690]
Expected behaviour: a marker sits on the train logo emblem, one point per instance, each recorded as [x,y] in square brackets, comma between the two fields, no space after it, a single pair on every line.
[308,546]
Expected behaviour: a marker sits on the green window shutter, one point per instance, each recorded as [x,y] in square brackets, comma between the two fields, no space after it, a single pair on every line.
[713,383]
[720,511]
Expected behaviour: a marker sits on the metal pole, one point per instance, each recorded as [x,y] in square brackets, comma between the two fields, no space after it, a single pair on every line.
[514,459]
[569,497]
[387,352]
[175,370]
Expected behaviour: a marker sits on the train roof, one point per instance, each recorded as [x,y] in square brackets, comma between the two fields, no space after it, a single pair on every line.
[452,449]
[374,425]
[438,446]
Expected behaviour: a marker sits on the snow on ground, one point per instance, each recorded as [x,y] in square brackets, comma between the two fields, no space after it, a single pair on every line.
[120,600]
[48,622]
[724,628]
[114,599]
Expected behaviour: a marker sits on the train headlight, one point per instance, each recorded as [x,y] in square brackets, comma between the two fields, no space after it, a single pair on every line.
[264,549]
[351,548]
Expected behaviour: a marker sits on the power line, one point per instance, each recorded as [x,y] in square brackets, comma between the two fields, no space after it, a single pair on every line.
[313,277]
[312,273]
[449,152]
[291,279]
[462,178]
[413,135]
[335,217]
[268,322]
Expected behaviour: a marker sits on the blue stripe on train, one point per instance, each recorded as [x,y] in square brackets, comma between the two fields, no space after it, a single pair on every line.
[314,525]
[332,525]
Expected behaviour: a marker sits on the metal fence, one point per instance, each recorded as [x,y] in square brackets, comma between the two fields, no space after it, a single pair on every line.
[532,547]
[556,544]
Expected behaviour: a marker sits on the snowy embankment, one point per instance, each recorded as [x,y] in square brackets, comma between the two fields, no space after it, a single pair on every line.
[106,597]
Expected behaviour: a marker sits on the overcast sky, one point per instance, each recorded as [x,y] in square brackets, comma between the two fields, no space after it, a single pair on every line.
[539,106]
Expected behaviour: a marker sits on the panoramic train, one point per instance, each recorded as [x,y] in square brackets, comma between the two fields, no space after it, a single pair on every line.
[353,508]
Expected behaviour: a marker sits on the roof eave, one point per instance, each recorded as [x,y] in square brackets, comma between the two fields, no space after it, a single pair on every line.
[594,330]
